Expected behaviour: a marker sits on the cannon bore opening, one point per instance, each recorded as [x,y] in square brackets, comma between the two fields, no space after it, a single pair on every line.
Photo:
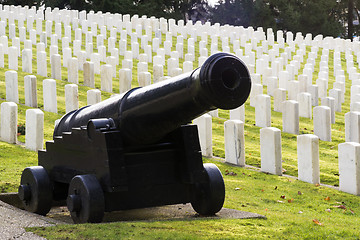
[230,78]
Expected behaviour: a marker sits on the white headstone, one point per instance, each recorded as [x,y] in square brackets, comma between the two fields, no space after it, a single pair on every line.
[355,106]
[27,60]
[8,116]
[293,90]
[352,127]
[125,78]
[336,94]
[95,58]
[89,74]
[1,56]
[127,63]
[303,83]
[205,134]
[144,79]
[158,72]
[341,86]
[5,43]
[13,58]
[290,117]
[279,98]
[349,162]
[188,66]
[71,97]
[256,89]
[234,142]
[322,87]
[112,62]
[106,78]
[42,64]
[73,71]
[11,84]
[308,158]
[238,113]
[272,84]
[93,96]
[313,90]
[142,67]
[329,102]
[270,150]
[305,107]
[30,91]
[55,61]
[284,78]
[263,111]
[135,49]
[34,129]
[322,123]
[214,113]
[49,95]
[54,50]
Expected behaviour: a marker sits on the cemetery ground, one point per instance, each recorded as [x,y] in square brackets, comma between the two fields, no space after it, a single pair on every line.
[294,209]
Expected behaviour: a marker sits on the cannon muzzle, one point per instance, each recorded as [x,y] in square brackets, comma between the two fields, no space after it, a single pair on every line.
[145,115]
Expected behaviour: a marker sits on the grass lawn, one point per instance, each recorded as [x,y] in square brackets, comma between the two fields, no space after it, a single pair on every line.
[293,209]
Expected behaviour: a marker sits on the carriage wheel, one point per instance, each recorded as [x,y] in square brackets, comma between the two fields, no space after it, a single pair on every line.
[35,190]
[85,199]
[208,198]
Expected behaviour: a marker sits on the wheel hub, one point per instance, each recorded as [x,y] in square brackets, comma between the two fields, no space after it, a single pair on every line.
[74,203]
[24,192]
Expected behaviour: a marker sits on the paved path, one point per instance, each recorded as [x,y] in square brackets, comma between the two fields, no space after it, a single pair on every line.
[14,220]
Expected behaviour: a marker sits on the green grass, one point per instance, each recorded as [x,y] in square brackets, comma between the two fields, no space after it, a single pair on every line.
[13,160]
[257,192]
[290,217]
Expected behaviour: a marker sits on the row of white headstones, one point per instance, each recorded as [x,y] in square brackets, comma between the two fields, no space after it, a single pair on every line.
[257,49]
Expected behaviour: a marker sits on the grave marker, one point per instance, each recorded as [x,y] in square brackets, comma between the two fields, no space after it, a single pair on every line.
[352,127]
[305,109]
[55,61]
[290,117]
[11,84]
[106,78]
[89,74]
[30,91]
[270,149]
[93,96]
[234,142]
[205,134]
[34,129]
[308,158]
[8,117]
[125,78]
[349,162]
[322,123]
[263,111]
[71,97]
[49,95]
[73,71]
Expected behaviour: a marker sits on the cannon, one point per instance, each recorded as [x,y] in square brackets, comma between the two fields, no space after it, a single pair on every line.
[137,149]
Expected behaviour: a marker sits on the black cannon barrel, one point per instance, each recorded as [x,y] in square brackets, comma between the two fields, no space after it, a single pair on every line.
[145,115]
